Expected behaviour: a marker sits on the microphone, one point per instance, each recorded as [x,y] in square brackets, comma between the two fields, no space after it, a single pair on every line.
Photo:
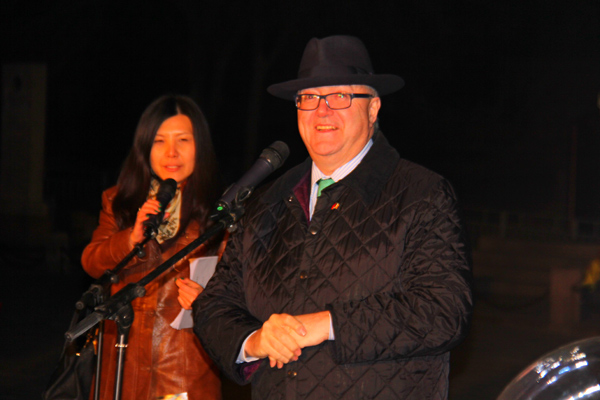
[270,159]
[165,194]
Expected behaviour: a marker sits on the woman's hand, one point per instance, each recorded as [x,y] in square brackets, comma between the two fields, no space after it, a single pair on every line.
[188,291]
[150,207]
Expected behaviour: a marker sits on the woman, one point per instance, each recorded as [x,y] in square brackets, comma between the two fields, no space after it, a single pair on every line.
[172,140]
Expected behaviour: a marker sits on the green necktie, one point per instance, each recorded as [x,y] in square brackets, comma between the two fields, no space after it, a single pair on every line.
[323,183]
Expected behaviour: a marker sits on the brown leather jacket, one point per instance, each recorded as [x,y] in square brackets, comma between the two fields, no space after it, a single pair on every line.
[159,359]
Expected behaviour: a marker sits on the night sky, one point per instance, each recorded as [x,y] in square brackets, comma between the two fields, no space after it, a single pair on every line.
[495,90]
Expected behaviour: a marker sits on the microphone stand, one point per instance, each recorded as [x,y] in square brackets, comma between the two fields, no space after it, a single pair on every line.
[118,306]
[94,295]
[98,292]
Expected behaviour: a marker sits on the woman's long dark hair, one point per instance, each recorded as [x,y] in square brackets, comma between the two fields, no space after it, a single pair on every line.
[202,187]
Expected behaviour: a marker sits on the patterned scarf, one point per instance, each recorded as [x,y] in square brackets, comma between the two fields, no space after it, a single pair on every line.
[169,227]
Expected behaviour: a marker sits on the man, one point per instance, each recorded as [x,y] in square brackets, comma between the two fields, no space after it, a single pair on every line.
[353,291]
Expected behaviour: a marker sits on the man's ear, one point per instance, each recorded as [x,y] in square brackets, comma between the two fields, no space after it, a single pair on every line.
[373,110]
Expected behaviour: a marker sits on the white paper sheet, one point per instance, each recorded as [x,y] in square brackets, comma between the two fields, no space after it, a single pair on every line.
[201,270]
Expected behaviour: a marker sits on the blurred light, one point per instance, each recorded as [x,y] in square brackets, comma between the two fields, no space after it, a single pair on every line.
[567,373]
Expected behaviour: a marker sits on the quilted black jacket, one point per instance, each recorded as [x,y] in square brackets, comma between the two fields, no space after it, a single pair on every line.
[385,253]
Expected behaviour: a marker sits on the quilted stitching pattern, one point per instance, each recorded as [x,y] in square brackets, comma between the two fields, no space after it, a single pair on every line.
[394,272]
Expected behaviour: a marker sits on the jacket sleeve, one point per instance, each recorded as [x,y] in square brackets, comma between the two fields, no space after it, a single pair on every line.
[221,318]
[109,245]
[429,310]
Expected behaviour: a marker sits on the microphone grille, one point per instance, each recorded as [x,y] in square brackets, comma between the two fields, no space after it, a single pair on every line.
[169,185]
[276,153]
[166,191]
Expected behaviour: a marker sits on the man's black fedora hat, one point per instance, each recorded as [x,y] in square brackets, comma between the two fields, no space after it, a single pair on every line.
[336,61]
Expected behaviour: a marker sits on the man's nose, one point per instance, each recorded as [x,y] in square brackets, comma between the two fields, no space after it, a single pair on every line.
[323,108]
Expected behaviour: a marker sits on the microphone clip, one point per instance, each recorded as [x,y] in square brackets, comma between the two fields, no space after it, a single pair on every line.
[232,211]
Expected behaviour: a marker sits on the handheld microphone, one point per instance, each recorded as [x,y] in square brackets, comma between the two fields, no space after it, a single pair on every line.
[270,159]
[165,194]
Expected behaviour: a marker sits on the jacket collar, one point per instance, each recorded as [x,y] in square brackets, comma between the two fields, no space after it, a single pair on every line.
[366,180]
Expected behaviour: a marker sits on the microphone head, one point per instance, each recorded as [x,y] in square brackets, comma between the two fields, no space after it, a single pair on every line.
[166,191]
[276,154]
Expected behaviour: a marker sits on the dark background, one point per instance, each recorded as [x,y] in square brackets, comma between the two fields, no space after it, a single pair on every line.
[501,98]
[494,89]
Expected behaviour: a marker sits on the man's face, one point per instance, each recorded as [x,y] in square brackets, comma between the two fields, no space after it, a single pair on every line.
[334,137]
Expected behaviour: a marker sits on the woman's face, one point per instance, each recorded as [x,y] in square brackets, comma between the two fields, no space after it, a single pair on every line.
[173,153]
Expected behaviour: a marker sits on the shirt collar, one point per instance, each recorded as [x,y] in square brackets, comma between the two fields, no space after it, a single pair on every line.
[342,171]
[380,162]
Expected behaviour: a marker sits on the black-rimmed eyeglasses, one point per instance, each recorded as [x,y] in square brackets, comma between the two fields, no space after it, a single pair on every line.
[335,101]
